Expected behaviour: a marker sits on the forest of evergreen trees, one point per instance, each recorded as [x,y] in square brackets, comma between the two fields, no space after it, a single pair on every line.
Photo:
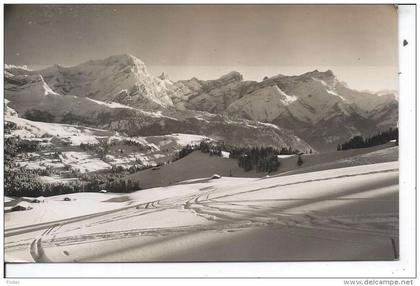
[17,178]
[22,182]
[262,159]
[211,148]
[378,139]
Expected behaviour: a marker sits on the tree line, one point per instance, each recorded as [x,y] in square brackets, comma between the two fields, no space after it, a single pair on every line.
[262,158]
[378,139]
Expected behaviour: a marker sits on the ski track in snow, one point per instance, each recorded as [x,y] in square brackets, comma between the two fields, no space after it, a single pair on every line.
[212,213]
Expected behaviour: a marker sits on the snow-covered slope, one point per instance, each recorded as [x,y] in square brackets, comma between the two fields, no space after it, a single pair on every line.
[228,219]
[264,104]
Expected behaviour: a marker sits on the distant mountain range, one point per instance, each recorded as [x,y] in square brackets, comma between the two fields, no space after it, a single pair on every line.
[313,110]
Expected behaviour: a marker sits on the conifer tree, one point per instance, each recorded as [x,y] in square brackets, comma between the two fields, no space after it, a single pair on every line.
[299,161]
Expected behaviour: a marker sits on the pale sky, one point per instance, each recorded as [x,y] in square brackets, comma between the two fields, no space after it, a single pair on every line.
[358,43]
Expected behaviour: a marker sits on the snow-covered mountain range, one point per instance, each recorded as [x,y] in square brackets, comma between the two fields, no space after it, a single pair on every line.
[315,105]
[314,109]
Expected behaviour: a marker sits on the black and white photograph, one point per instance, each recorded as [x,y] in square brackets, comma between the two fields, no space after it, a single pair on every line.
[201,133]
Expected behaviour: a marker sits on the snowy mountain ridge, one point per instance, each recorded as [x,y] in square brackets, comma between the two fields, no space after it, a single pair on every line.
[315,105]
[119,78]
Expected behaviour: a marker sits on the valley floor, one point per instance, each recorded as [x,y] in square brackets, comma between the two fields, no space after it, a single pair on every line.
[348,213]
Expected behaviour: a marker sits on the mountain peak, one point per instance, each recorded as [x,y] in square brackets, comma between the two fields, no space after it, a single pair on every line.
[326,78]
[389,93]
[127,59]
[125,62]
[318,74]
[163,76]
[330,72]
[123,56]
[232,76]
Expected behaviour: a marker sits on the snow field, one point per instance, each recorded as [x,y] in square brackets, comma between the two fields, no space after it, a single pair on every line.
[186,221]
